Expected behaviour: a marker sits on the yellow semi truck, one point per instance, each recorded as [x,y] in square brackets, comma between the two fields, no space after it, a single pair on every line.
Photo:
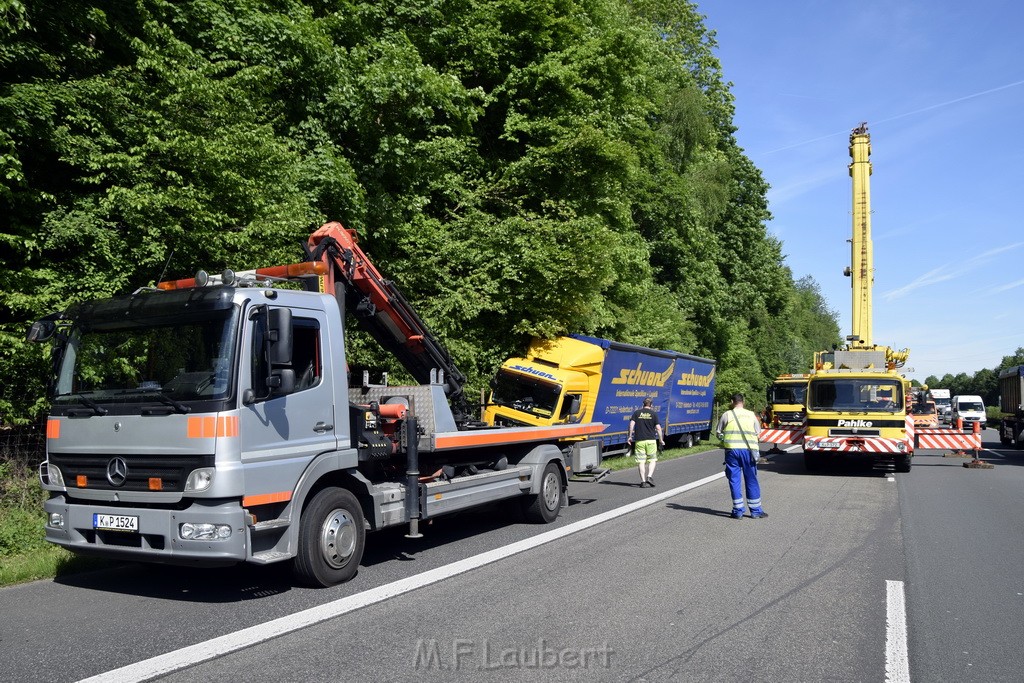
[580,378]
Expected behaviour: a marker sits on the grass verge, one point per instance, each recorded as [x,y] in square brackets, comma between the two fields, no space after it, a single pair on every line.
[45,563]
[625,462]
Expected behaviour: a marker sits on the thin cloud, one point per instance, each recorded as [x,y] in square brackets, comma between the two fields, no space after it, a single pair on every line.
[898,116]
[1003,288]
[949,271]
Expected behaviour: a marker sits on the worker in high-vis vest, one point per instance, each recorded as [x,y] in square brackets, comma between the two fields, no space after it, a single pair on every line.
[738,429]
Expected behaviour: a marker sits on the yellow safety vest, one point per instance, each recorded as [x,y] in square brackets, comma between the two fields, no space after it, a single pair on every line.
[732,436]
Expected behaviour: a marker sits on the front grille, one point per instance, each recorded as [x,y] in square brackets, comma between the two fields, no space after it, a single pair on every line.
[171,469]
[854,432]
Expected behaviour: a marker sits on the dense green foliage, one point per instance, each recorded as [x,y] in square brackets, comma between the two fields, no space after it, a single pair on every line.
[984,382]
[519,167]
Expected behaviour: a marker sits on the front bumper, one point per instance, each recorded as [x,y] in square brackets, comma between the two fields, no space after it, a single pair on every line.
[879,447]
[157,539]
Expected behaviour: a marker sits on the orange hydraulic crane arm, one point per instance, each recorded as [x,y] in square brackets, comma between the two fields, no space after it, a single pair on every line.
[381,309]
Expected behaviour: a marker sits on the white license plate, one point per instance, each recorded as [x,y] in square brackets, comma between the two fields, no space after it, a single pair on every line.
[828,444]
[115,522]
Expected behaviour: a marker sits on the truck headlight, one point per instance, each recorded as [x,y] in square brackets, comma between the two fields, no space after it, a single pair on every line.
[53,475]
[199,480]
[201,531]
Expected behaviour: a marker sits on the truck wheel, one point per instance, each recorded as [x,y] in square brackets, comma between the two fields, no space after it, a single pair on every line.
[903,464]
[812,463]
[689,440]
[331,539]
[1004,439]
[542,508]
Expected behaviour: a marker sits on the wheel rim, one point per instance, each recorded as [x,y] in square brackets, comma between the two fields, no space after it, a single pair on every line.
[338,538]
[550,490]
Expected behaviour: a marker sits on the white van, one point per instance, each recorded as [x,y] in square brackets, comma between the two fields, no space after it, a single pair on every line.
[969,409]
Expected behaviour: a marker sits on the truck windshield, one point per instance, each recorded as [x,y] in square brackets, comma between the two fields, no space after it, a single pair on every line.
[856,395]
[183,359]
[787,394]
[923,409]
[525,394]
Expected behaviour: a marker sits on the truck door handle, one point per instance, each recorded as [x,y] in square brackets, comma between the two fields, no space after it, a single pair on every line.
[321,427]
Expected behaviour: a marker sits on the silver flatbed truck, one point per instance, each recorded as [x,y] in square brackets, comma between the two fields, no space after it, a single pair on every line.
[213,420]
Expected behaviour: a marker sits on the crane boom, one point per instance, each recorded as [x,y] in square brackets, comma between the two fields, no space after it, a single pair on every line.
[862,270]
[381,309]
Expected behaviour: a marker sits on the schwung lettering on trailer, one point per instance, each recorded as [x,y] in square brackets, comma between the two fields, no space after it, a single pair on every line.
[693,396]
[628,377]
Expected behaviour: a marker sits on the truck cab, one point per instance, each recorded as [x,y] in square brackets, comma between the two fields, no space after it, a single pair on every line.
[555,382]
[857,406]
[785,399]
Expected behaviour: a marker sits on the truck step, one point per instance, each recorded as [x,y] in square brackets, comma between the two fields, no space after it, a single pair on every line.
[271,524]
[269,557]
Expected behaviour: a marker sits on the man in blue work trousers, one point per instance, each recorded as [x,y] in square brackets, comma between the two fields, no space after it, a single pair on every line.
[738,429]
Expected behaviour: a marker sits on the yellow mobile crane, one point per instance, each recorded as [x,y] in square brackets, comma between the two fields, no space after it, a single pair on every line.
[857,402]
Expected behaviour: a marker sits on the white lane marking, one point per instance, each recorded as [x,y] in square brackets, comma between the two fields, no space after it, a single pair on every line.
[161,665]
[897,661]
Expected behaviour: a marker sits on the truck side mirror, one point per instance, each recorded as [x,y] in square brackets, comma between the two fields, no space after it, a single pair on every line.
[574,406]
[280,338]
[41,331]
[281,382]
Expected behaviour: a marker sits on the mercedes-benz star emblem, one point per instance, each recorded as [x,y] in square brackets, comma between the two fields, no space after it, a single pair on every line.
[117,471]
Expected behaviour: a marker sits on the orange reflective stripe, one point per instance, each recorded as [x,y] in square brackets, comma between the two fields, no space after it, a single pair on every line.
[227,426]
[53,429]
[267,498]
[488,437]
[208,427]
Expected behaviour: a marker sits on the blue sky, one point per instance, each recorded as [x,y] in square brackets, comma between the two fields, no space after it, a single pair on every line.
[941,86]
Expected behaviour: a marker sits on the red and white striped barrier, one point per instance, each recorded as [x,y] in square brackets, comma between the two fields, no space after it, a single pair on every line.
[940,439]
[782,435]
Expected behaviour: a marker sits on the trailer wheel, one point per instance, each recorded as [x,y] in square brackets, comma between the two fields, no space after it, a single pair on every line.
[542,508]
[331,539]
[689,439]
[1004,439]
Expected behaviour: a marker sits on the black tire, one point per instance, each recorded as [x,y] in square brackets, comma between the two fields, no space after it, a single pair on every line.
[903,463]
[542,508]
[331,539]
[689,440]
[812,463]
[1005,440]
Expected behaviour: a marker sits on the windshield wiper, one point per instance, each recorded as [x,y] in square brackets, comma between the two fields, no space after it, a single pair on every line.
[178,406]
[89,403]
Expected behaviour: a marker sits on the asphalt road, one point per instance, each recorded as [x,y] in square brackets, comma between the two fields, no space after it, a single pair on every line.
[673,591]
